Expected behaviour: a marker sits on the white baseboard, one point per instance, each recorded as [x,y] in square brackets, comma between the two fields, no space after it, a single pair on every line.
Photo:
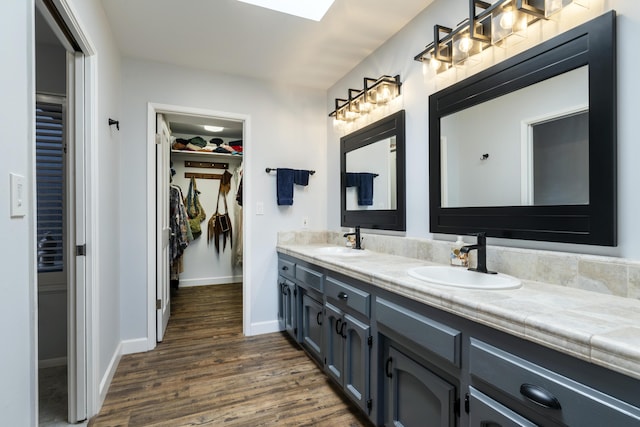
[185,283]
[105,382]
[50,363]
[138,345]
[264,327]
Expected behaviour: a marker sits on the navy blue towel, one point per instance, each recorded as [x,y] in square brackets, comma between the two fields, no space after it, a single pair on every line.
[301,177]
[284,186]
[351,179]
[365,188]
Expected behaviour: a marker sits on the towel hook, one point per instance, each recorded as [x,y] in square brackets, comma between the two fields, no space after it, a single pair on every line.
[485,156]
[114,122]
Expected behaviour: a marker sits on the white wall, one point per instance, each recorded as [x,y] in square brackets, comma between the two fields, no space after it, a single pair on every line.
[287,130]
[18,286]
[396,56]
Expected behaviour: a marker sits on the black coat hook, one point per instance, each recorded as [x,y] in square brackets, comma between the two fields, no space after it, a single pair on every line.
[114,122]
[485,156]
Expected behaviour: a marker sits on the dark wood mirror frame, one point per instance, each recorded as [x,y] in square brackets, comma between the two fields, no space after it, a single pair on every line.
[592,44]
[394,219]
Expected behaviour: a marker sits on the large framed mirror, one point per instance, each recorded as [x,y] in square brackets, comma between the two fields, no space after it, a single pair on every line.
[526,149]
[372,175]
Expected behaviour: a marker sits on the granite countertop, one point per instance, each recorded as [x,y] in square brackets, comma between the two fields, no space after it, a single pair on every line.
[601,329]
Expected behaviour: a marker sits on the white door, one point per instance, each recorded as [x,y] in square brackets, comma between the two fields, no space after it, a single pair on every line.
[76,247]
[163,231]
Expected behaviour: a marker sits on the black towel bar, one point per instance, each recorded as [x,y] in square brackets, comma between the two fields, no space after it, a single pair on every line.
[275,169]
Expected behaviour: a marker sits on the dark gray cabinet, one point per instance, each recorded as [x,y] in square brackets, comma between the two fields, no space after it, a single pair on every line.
[415,396]
[311,319]
[486,412]
[287,307]
[348,348]
[547,395]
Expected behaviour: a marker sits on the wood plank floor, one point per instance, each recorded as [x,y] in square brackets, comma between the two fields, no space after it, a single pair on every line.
[206,373]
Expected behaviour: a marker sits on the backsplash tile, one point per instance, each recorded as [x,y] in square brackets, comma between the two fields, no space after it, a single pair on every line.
[604,275]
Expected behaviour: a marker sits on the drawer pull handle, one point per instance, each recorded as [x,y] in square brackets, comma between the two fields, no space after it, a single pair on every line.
[387,367]
[343,296]
[540,396]
[318,318]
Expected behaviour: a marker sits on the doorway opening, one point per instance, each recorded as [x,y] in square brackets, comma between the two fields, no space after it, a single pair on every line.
[64,89]
[193,160]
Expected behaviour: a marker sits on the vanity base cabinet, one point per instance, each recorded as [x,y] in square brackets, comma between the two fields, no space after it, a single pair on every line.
[311,319]
[288,307]
[415,396]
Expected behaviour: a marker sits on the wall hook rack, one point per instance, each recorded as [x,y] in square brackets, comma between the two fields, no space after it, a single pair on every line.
[114,122]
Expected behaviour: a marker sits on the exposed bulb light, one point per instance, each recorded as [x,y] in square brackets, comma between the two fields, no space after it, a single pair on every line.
[213,128]
[434,64]
[507,20]
[465,44]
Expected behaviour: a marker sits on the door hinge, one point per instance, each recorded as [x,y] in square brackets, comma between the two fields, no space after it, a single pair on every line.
[158,304]
[81,250]
[370,340]
[466,403]
[369,404]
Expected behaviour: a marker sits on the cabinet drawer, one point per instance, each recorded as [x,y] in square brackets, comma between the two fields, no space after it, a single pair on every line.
[433,336]
[546,392]
[348,297]
[309,277]
[286,268]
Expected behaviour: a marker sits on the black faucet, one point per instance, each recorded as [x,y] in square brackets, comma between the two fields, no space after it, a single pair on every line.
[481,247]
[357,234]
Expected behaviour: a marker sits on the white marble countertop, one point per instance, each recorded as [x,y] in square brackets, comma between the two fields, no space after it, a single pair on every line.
[601,329]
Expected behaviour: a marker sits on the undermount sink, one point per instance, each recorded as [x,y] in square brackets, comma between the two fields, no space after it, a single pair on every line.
[339,250]
[460,277]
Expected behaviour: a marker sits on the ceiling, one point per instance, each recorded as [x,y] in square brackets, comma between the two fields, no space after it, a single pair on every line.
[237,38]
[193,125]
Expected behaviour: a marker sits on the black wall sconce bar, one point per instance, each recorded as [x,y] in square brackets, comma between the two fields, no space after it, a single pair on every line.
[487,25]
[376,92]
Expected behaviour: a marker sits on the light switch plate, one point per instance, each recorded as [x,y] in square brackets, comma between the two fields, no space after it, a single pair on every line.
[18,195]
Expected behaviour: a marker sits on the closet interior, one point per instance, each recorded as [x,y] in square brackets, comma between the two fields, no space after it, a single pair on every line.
[205,202]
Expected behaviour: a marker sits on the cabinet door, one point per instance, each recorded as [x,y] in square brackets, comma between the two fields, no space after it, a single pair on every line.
[311,326]
[290,309]
[334,343]
[356,364]
[415,396]
[486,412]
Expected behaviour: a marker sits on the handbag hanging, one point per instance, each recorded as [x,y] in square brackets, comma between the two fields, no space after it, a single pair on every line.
[219,224]
[195,211]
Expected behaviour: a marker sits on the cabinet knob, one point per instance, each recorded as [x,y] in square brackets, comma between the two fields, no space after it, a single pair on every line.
[285,268]
[343,296]
[387,367]
[540,396]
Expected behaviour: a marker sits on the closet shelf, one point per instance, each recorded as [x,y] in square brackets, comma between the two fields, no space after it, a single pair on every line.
[207,155]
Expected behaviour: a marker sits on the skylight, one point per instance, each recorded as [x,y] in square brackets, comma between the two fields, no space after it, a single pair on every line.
[308,9]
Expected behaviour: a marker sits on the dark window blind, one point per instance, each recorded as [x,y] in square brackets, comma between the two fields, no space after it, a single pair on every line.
[50,185]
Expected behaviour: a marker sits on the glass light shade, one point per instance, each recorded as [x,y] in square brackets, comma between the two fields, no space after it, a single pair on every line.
[553,6]
[508,22]
[361,105]
[340,115]
[466,50]
[386,92]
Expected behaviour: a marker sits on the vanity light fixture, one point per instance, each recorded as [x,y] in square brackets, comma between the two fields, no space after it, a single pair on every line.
[376,92]
[487,25]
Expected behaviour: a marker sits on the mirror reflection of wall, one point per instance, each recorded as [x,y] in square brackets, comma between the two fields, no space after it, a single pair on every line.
[377,160]
[506,128]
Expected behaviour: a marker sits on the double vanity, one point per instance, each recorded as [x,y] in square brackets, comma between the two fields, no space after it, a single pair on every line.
[413,343]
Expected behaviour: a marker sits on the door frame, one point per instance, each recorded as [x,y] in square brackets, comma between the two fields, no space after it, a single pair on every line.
[152,206]
[82,325]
